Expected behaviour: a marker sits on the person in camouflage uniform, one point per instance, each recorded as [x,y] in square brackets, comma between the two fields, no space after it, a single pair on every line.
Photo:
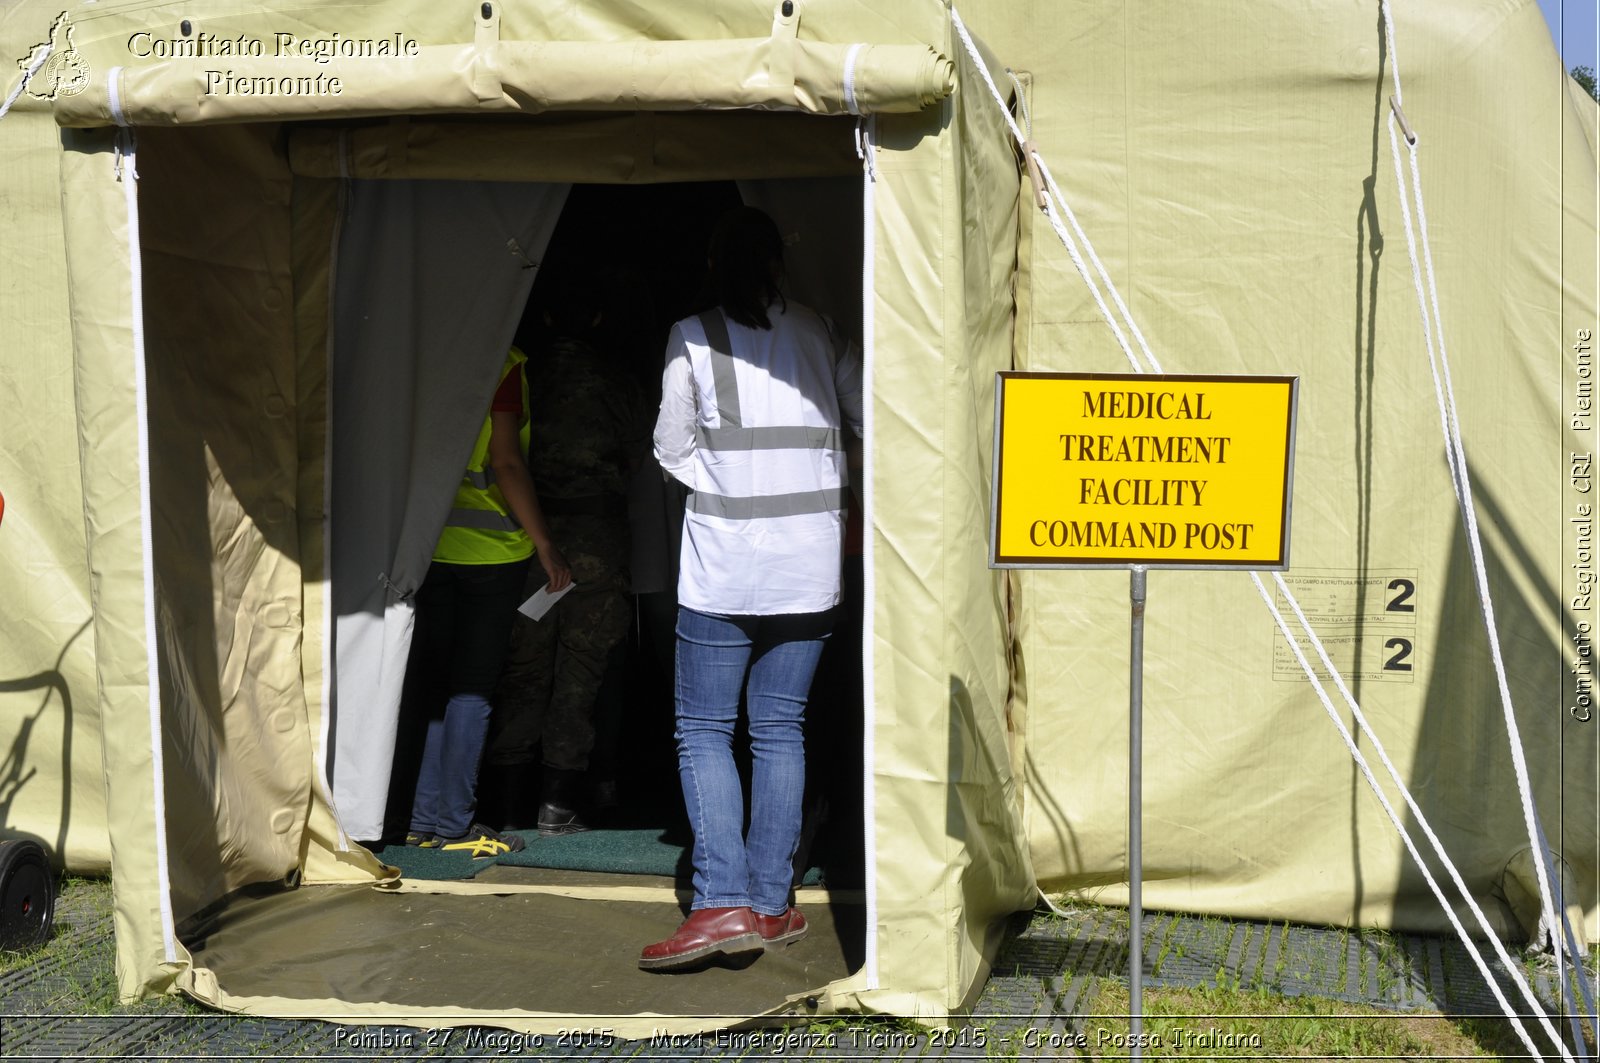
[588,423]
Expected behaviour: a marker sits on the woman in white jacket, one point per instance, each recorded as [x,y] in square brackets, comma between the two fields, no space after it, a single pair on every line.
[759,401]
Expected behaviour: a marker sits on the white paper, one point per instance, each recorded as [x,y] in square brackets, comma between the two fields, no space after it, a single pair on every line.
[542,600]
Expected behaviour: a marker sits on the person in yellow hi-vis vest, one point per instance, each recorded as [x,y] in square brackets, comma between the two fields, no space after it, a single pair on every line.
[465,607]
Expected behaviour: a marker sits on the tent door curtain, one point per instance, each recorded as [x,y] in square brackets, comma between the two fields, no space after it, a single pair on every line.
[431,278]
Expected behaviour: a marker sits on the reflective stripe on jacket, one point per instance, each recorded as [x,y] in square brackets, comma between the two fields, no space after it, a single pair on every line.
[754,424]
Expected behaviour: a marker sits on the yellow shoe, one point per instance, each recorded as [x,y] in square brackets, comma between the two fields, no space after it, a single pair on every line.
[482,843]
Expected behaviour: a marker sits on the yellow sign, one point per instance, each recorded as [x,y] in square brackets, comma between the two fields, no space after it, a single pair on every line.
[1099,470]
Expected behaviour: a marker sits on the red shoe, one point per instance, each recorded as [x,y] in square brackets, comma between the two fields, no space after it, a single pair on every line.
[706,933]
[779,930]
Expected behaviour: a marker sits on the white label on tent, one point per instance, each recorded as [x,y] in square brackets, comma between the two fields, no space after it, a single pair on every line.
[1368,624]
[535,608]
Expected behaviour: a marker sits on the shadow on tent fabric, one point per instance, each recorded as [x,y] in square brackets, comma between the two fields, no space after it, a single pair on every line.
[1461,773]
[1369,257]
[12,777]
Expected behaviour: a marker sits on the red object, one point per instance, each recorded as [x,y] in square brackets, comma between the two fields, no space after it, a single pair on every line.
[706,933]
[508,396]
[779,930]
[2,507]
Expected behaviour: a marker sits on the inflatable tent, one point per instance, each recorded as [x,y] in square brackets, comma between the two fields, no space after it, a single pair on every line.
[262,259]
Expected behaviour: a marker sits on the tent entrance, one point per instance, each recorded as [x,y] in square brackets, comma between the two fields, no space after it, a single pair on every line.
[645,245]
[248,549]
[431,281]
[431,264]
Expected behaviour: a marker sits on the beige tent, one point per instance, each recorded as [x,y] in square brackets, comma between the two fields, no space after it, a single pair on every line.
[199,665]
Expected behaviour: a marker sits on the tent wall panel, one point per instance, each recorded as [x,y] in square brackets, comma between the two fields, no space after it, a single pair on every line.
[997,876]
[911,689]
[52,779]
[220,349]
[939,619]
[109,390]
[1247,208]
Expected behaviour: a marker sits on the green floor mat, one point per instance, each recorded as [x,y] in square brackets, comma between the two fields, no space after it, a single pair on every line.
[645,851]
[629,852]
[432,863]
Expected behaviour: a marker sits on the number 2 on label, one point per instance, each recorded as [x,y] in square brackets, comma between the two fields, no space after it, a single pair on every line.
[1400,661]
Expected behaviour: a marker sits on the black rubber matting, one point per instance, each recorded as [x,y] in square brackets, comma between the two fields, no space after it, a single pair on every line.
[1051,965]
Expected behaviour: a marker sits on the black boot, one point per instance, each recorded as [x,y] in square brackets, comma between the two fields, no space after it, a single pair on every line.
[558,809]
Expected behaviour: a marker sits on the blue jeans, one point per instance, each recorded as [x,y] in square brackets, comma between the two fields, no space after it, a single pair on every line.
[464,615]
[715,655]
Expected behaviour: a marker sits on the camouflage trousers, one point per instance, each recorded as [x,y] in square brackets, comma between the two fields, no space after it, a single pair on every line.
[546,696]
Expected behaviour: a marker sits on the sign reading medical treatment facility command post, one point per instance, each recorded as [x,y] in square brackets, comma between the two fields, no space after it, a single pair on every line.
[1141,472]
[1102,471]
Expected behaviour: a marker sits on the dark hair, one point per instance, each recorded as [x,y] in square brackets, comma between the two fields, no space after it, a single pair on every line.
[744,246]
[573,306]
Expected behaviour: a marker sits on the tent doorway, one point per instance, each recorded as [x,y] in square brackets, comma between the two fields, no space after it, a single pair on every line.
[644,247]
[449,238]
[432,278]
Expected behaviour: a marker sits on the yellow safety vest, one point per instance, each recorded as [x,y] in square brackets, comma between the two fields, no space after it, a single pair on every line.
[480,529]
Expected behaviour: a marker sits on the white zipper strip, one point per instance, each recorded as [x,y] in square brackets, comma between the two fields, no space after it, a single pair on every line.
[127,173]
[866,141]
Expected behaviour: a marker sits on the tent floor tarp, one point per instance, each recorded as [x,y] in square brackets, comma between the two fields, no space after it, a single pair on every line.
[571,938]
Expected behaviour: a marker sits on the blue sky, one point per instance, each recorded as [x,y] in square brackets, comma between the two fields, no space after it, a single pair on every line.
[1572,24]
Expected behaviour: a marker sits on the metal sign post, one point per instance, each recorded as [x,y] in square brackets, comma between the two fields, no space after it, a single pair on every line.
[1096,470]
[1136,581]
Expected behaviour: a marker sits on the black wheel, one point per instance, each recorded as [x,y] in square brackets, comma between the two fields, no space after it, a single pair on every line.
[27,895]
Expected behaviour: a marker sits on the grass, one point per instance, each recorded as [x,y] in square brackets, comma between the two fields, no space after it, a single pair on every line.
[1211,1023]
[74,972]
[1276,999]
